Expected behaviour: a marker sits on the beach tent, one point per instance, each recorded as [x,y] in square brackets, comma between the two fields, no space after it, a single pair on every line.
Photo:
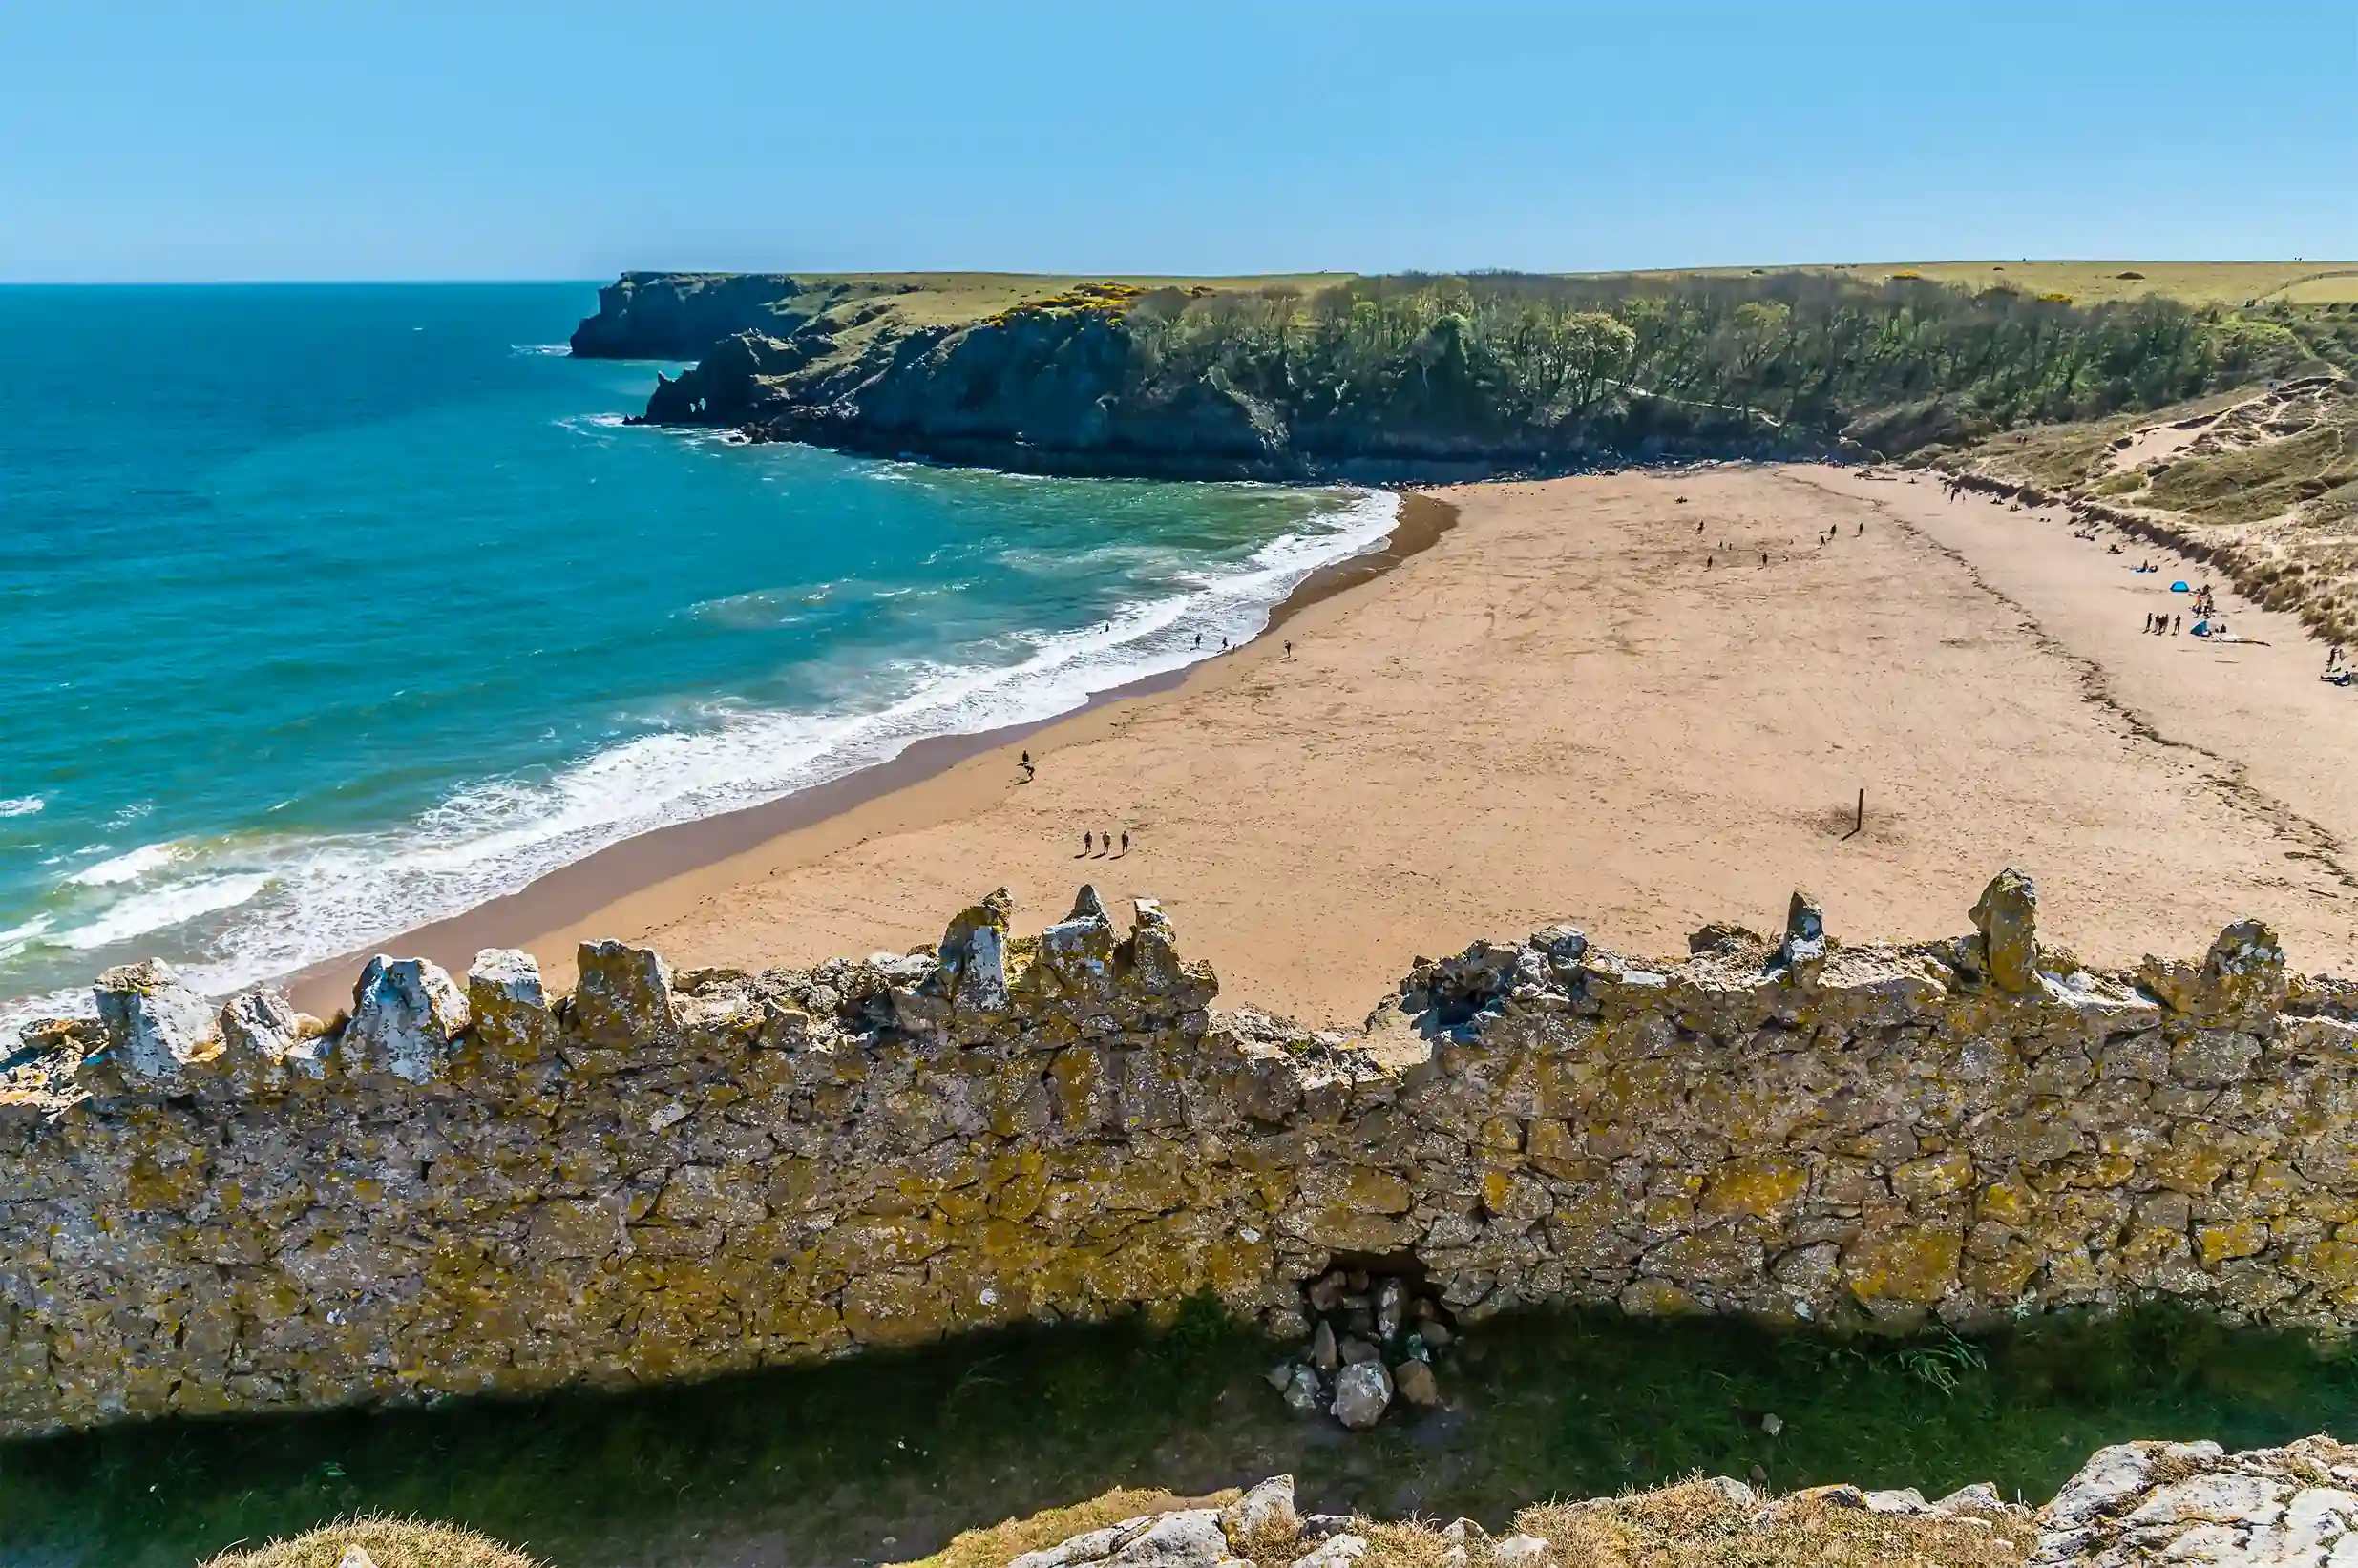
[2179,588]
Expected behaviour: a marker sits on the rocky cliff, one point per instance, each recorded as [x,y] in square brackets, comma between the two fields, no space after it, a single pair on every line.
[476,1187]
[677,316]
[1399,378]
[1058,383]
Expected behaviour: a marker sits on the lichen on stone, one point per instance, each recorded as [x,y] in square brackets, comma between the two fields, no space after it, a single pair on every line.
[670,1176]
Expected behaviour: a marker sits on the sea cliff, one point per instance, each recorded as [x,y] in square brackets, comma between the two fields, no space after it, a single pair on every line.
[1389,379]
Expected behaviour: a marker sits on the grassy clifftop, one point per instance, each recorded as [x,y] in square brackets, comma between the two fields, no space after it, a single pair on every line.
[2231,283]
[955,299]
[1439,377]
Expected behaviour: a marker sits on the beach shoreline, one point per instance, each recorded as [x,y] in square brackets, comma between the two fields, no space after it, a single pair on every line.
[562,899]
[1562,715]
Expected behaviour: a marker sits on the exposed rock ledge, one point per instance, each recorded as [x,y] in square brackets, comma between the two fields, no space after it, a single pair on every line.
[2292,1507]
[479,1188]
[2135,1503]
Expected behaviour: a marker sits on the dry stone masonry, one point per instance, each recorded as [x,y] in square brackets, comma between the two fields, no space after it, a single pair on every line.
[476,1187]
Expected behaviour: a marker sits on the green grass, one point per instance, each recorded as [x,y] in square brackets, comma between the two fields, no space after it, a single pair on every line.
[950,297]
[915,299]
[2097,283]
[2247,485]
[830,1460]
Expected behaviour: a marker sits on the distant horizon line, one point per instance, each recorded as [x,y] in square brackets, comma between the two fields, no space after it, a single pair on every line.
[517,280]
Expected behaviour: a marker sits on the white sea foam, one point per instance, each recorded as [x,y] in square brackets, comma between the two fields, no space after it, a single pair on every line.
[559,349]
[127,868]
[16,940]
[175,903]
[258,906]
[22,806]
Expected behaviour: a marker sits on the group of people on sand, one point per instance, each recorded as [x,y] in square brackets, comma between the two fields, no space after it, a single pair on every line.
[2161,625]
[1708,559]
[1094,845]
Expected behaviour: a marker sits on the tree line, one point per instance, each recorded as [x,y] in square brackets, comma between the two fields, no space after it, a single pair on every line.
[1597,362]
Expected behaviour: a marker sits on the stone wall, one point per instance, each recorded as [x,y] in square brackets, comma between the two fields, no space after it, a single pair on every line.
[480,1188]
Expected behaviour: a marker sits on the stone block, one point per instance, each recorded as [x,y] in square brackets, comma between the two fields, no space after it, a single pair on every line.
[406,1012]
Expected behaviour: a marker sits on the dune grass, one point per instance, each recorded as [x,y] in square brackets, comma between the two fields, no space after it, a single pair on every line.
[1687,1524]
[995,1545]
[888,1457]
[2263,488]
[1696,1525]
[389,1542]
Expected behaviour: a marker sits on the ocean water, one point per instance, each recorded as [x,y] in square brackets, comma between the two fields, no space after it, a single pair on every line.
[328,611]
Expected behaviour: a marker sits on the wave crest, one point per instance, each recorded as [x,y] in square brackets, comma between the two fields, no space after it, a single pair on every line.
[261,906]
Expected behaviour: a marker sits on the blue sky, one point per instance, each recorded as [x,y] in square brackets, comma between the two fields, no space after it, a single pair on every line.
[352,139]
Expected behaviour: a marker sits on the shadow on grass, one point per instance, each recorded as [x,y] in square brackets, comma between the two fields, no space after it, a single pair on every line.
[822,1464]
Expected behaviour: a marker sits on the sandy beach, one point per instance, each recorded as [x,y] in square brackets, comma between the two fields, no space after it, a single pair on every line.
[1559,712]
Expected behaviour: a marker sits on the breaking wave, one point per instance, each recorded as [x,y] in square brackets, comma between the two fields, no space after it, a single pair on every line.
[256,905]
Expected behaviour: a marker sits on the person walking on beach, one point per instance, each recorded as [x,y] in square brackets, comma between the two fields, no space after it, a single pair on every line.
[2149,621]
[1289,650]
[1087,842]
[1104,841]
[1126,841]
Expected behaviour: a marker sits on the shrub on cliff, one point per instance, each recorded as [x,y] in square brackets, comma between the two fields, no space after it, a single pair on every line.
[1617,360]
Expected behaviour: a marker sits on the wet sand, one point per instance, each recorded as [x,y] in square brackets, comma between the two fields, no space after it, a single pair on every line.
[584,890]
[1558,712]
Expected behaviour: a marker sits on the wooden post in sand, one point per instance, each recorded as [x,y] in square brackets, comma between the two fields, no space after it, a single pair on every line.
[1860,825]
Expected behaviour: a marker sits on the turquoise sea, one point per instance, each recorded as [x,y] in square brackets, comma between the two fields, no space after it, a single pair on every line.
[328,610]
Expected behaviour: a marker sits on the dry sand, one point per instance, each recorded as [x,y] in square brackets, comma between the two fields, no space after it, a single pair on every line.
[1559,713]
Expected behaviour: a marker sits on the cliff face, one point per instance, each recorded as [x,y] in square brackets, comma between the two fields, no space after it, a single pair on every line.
[479,1188]
[1059,386]
[1408,377]
[677,316]
[1047,392]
